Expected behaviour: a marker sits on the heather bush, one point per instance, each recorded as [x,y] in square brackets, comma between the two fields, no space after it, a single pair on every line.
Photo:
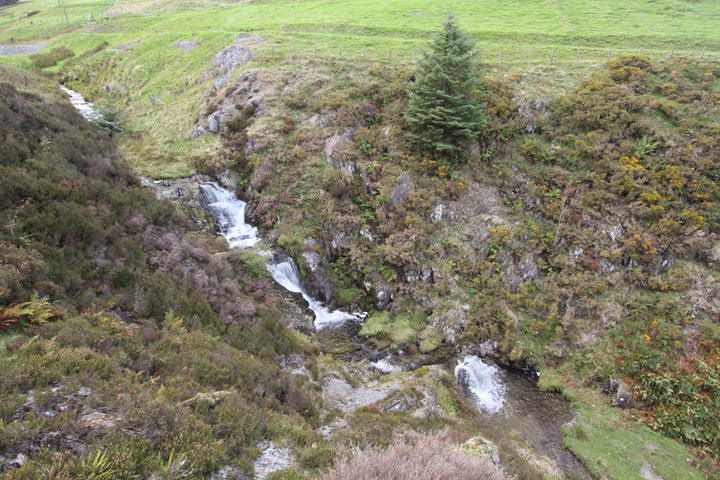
[418,457]
[50,59]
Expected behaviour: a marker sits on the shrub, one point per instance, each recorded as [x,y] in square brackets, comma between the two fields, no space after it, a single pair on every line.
[416,456]
[50,59]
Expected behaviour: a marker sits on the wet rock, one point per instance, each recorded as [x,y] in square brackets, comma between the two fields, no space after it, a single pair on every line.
[383,296]
[402,189]
[272,459]
[320,287]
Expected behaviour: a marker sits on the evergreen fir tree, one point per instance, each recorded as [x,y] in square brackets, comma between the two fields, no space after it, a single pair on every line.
[444,113]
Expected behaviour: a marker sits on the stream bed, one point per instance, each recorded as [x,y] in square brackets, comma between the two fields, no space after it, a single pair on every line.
[508,400]
[85,108]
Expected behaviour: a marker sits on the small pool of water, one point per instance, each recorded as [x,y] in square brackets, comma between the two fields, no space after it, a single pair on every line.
[510,403]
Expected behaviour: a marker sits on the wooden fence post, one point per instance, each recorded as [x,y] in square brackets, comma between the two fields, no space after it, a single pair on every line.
[500,60]
[672,51]
[552,57]
[703,53]
[341,50]
[527,55]
[391,55]
[363,53]
[578,55]
[316,49]
[640,50]
[609,54]
[273,50]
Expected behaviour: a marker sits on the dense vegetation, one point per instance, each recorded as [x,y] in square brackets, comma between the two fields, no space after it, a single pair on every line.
[115,316]
[580,238]
[582,235]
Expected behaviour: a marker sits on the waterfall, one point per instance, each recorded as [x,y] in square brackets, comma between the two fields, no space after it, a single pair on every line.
[482,382]
[229,214]
[287,274]
[77,101]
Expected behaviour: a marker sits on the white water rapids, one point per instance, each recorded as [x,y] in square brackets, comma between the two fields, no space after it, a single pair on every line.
[286,274]
[228,211]
[482,382]
[77,100]
[229,214]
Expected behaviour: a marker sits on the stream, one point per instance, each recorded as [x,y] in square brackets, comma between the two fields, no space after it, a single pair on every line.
[85,108]
[507,400]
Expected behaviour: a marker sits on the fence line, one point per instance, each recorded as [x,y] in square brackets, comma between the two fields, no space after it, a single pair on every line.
[284,52]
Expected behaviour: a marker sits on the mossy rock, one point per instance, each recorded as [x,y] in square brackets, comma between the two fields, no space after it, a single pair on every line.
[430,339]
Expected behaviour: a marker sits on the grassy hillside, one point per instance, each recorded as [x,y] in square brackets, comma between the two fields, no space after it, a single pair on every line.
[140,60]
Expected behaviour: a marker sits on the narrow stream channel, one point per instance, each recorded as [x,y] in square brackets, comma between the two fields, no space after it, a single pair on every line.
[85,108]
[508,400]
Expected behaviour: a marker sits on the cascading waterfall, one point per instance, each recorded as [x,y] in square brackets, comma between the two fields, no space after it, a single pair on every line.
[228,211]
[229,214]
[77,100]
[482,382]
[287,274]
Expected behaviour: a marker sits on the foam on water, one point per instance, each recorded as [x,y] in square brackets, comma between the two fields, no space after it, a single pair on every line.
[77,100]
[228,211]
[384,366]
[482,381]
[229,214]
[286,274]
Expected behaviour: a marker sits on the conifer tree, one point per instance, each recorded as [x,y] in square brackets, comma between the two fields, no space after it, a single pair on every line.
[444,114]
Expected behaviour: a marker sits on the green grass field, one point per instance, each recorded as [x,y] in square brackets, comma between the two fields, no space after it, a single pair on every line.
[594,26]
[514,36]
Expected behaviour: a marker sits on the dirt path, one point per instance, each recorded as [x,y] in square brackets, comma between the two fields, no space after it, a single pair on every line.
[20,49]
